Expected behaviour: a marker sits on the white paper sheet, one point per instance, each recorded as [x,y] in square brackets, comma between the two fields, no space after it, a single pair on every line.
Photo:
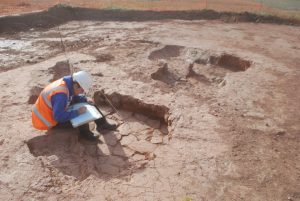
[91,114]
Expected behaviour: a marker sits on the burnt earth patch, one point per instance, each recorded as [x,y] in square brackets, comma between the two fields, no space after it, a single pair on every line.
[34,94]
[166,52]
[61,68]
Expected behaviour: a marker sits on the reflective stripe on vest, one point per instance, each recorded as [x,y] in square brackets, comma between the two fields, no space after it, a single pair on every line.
[42,113]
[47,93]
[38,114]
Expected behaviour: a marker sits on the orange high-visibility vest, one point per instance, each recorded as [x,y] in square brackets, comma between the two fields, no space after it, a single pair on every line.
[42,113]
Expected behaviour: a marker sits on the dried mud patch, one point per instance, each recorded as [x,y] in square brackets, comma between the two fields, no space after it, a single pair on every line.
[146,121]
[60,148]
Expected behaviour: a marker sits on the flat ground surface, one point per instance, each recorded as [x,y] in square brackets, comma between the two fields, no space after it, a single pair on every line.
[229,93]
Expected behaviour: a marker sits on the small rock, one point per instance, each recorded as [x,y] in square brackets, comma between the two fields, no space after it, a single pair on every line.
[257,115]
[124,129]
[150,156]
[157,137]
[222,83]
[145,134]
[138,157]
[280,133]
[52,158]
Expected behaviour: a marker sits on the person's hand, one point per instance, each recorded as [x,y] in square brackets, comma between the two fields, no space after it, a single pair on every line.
[81,110]
[90,100]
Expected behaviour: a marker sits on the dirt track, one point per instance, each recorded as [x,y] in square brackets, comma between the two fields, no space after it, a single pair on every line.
[208,111]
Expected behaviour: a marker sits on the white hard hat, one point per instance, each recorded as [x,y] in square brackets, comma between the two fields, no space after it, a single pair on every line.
[83,79]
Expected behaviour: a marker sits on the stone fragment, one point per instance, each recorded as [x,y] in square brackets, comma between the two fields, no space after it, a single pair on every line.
[157,137]
[145,134]
[253,114]
[124,129]
[150,156]
[136,126]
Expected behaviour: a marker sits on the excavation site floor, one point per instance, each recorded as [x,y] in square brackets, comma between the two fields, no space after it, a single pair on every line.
[207,110]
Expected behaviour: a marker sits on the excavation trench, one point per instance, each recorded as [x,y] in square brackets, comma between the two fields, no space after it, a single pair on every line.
[129,103]
[61,14]
[227,61]
[128,149]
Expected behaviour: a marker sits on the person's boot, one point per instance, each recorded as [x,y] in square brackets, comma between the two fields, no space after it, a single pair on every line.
[102,124]
[85,133]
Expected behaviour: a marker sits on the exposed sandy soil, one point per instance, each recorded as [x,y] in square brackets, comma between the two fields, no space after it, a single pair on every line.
[207,111]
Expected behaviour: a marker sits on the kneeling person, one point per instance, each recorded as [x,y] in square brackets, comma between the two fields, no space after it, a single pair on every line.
[50,109]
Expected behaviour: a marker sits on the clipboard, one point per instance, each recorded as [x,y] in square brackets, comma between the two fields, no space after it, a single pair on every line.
[91,114]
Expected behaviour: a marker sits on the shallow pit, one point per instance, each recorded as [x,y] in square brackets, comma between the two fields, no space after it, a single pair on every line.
[34,94]
[227,61]
[61,68]
[166,52]
[164,75]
